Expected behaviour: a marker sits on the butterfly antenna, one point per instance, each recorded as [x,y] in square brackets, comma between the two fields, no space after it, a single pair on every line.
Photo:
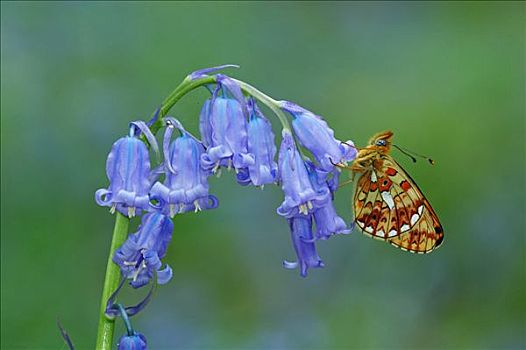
[411,154]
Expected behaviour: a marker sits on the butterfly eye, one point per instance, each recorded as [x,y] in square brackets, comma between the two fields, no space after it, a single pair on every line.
[380,142]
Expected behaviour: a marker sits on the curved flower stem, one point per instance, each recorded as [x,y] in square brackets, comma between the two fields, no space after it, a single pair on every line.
[126,320]
[267,100]
[188,85]
[111,281]
[185,87]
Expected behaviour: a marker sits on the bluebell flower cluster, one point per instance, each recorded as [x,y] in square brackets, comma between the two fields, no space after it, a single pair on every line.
[308,200]
[135,189]
[234,134]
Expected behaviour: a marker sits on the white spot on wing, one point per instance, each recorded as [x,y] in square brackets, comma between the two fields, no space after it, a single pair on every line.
[373,176]
[388,199]
[360,223]
[420,209]
[392,233]
[369,229]
[404,228]
[414,218]
[380,233]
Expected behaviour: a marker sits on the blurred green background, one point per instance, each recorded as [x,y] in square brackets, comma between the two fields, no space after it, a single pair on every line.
[447,78]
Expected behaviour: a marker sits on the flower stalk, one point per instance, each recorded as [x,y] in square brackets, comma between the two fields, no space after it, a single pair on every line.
[266,100]
[189,84]
[111,281]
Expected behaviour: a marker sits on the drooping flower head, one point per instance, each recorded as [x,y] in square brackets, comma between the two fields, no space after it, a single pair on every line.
[315,135]
[140,255]
[301,197]
[186,184]
[137,341]
[128,169]
[304,245]
[223,125]
[258,166]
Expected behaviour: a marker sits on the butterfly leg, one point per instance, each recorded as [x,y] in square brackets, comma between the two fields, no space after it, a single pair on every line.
[346,182]
[361,164]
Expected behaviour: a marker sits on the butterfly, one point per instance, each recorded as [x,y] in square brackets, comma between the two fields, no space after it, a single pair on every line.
[388,205]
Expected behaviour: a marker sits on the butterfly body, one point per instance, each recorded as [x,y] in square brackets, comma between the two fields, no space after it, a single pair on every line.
[388,205]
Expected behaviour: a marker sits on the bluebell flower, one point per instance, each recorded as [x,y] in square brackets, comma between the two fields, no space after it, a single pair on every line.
[261,168]
[140,255]
[333,179]
[128,169]
[223,125]
[304,245]
[186,184]
[315,135]
[300,195]
[327,220]
[137,341]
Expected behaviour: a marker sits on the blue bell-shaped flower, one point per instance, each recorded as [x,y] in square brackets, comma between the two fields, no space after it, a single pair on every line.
[261,167]
[304,245]
[128,169]
[186,184]
[315,135]
[140,255]
[223,125]
[301,197]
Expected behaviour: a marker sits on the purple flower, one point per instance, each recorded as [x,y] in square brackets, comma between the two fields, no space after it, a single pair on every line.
[303,242]
[314,134]
[223,125]
[128,169]
[137,341]
[300,195]
[261,168]
[140,255]
[327,220]
[186,184]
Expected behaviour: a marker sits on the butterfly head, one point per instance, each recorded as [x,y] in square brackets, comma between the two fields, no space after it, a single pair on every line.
[382,139]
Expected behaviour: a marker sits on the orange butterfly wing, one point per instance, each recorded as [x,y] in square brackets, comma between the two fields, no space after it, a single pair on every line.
[389,206]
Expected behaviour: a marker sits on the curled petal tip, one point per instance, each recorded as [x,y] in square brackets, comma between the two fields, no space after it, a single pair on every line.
[309,240]
[165,275]
[205,71]
[103,197]
[290,265]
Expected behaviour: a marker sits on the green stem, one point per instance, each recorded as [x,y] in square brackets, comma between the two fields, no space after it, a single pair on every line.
[188,85]
[267,100]
[126,320]
[111,281]
[185,87]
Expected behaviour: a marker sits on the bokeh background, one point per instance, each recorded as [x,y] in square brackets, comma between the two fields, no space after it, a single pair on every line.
[447,78]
